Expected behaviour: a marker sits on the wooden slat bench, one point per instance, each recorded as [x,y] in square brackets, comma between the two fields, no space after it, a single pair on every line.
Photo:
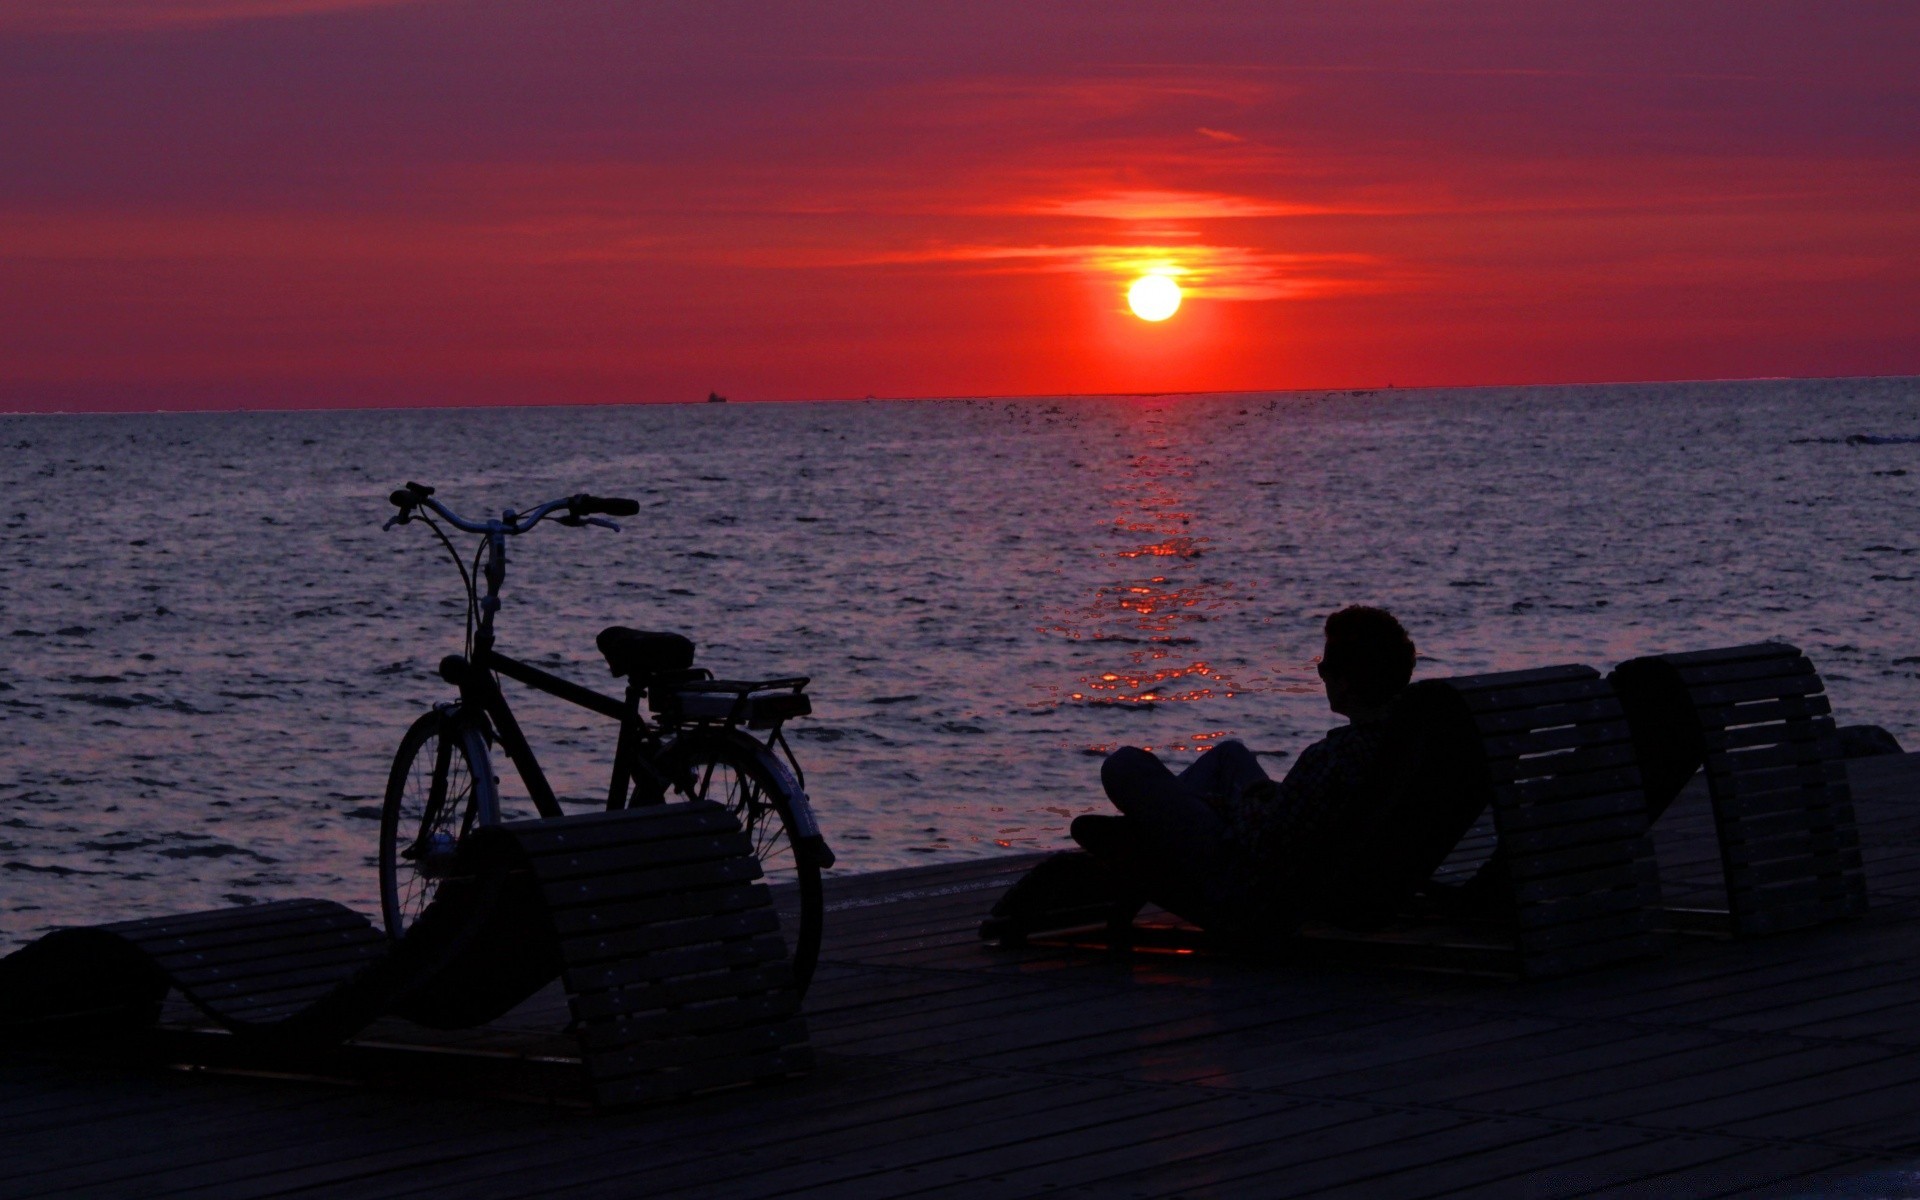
[653,918]
[1756,718]
[1569,814]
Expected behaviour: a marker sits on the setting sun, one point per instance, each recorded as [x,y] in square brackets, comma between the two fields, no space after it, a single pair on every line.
[1154,297]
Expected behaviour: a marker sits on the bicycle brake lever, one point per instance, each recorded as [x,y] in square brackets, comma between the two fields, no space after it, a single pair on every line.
[391,522]
[602,522]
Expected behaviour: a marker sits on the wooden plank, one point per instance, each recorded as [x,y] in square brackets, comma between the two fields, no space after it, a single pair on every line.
[1556,1056]
[665,881]
[703,1075]
[1790,865]
[706,1136]
[270,913]
[1572,810]
[1740,672]
[1505,681]
[1730,696]
[1505,699]
[1588,776]
[1690,1167]
[589,919]
[584,951]
[1547,839]
[1820,820]
[1105,1160]
[678,961]
[1573,712]
[1543,738]
[217,939]
[974,1127]
[339,959]
[1752,712]
[542,837]
[1355,1158]
[1087,1155]
[728,1012]
[647,856]
[1562,889]
[1612,853]
[1606,925]
[1775,667]
[1749,761]
[1484,1171]
[1769,733]
[1731,654]
[1519,773]
[1764,791]
[593,1007]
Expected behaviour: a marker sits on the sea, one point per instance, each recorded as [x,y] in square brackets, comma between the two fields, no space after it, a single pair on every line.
[209,647]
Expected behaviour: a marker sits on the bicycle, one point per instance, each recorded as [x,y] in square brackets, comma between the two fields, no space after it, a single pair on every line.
[698,746]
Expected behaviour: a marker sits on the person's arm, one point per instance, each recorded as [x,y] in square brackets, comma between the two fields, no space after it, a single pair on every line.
[1269,813]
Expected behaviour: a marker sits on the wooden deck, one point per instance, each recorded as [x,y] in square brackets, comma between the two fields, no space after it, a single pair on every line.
[948,1069]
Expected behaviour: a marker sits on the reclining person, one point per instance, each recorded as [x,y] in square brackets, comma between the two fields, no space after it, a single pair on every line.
[1219,843]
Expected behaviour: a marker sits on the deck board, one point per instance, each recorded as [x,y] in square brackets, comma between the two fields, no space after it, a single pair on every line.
[951,1070]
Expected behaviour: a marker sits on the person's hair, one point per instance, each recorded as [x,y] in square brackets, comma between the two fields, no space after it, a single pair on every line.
[1371,650]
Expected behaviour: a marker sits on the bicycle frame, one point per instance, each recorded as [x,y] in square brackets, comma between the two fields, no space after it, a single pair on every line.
[635,779]
[480,692]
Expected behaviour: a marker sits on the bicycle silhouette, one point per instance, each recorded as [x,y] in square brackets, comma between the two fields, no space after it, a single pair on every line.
[698,745]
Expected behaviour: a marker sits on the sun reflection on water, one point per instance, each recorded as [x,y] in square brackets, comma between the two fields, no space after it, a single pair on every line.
[1156,599]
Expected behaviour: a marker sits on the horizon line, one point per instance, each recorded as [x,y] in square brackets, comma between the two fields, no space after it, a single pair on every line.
[917,399]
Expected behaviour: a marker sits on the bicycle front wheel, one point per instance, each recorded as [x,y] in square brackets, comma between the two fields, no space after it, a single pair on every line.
[732,769]
[440,788]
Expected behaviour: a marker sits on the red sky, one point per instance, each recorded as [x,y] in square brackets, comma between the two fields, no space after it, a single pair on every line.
[224,203]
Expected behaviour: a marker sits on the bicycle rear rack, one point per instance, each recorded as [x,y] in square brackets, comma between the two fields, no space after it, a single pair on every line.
[756,704]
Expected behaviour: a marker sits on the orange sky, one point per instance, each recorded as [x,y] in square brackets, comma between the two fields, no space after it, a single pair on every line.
[225,203]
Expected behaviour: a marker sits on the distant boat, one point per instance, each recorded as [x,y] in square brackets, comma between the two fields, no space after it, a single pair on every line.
[715,398]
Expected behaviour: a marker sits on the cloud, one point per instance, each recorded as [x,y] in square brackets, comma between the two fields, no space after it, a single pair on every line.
[1153,205]
[1210,272]
[1219,135]
[105,16]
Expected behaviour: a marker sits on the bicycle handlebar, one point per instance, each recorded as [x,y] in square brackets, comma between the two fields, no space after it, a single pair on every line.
[579,507]
[613,506]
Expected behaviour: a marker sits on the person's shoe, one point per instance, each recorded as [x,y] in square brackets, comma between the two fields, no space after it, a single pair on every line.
[1071,888]
[1110,837]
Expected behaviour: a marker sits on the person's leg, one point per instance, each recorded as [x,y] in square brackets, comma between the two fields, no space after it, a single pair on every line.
[1223,771]
[1180,848]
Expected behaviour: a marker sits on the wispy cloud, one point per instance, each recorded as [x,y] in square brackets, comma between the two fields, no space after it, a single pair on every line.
[104,16]
[1212,272]
[1151,205]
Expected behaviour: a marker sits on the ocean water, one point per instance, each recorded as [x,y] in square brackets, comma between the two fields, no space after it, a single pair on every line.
[209,648]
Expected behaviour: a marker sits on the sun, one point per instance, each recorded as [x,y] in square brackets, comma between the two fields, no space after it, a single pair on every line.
[1154,297]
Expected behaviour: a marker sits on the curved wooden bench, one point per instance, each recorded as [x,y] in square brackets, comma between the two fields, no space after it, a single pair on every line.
[1568,810]
[1756,718]
[669,949]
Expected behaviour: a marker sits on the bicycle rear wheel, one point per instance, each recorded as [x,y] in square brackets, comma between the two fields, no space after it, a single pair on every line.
[441,787]
[732,769]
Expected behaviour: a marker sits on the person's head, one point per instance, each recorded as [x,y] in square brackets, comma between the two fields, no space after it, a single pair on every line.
[1368,659]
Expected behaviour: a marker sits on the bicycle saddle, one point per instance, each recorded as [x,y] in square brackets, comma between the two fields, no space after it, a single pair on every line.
[639,653]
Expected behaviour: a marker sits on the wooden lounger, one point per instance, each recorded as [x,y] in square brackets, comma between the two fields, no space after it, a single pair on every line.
[1756,719]
[669,950]
[1549,752]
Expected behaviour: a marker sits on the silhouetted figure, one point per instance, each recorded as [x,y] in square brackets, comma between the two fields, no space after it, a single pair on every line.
[1218,843]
